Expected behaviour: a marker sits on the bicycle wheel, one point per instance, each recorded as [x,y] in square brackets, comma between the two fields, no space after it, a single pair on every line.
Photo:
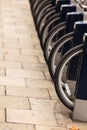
[48,26]
[44,18]
[40,5]
[66,87]
[35,4]
[52,38]
[32,2]
[55,54]
[44,13]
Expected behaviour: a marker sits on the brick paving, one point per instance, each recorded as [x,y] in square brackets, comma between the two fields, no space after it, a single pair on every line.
[27,97]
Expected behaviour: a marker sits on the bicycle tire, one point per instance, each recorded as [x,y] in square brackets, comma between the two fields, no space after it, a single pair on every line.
[49,43]
[35,4]
[58,83]
[40,6]
[32,2]
[45,30]
[44,18]
[43,14]
[54,53]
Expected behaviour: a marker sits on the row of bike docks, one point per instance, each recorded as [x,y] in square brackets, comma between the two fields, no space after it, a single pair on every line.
[62,29]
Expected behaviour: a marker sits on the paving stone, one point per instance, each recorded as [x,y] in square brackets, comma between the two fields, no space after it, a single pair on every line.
[11,19]
[9,81]
[11,126]
[60,120]
[38,66]
[10,42]
[27,40]
[10,64]
[41,60]
[2,72]
[28,92]
[38,127]
[7,26]
[2,90]
[23,36]
[31,117]
[38,47]
[35,83]
[2,115]
[14,102]
[32,52]
[24,73]
[10,34]
[21,58]
[15,43]
[22,31]
[52,93]
[1,57]
[47,75]
[44,105]
[66,113]
[26,43]
[9,51]
[9,22]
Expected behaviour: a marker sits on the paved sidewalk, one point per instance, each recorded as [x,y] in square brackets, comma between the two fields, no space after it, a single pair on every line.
[27,97]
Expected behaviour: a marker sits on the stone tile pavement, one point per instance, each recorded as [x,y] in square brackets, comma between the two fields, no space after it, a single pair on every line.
[27,97]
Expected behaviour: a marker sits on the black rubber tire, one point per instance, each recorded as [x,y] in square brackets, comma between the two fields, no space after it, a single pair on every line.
[51,35]
[45,12]
[61,95]
[40,6]
[44,18]
[35,4]
[49,23]
[32,2]
[60,43]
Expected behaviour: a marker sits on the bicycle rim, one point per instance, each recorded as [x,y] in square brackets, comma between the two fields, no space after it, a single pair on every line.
[56,54]
[65,86]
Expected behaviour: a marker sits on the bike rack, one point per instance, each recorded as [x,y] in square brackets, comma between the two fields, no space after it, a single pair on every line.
[80,29]
[80,108]
[65,9]
[61,2]
[72,18]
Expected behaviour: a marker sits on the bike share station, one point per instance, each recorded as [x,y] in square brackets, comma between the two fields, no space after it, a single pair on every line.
[80,105]
[62,29]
